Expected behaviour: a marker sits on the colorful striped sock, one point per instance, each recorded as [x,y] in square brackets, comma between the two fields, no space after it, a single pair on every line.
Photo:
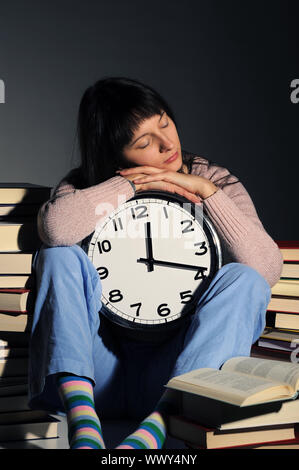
[84,427]
[151,433]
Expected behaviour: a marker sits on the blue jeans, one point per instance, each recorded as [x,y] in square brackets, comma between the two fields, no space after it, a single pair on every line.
[69,334]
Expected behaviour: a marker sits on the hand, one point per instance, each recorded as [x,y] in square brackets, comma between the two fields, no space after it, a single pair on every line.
[194,184]
[146,171]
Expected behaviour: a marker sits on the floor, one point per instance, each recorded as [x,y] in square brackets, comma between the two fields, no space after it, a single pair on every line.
[113,431]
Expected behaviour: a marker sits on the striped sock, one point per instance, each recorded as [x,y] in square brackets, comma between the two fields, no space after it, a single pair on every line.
[84,427]
[151,433]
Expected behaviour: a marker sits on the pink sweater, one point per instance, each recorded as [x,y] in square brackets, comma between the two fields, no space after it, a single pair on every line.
[69,216]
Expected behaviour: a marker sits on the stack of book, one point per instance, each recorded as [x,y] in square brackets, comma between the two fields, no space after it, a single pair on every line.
[249,403]
[19,205]
[280,338]
[252,402]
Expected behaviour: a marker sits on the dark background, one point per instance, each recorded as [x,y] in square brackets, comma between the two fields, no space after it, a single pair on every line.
[224,66]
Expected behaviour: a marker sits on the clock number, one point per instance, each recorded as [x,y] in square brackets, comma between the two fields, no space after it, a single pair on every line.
[189,224]
[202,247]
[115,295]
[117,223]
[105,245]
[138,305]
[161,309]
[142,212]
[186,294]
[165,212]
[200,274]
[103,272]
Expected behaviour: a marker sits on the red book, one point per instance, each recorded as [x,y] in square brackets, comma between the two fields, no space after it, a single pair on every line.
[289,249]
[268,445]
[253,445]
[14,300]
[203,437]
[287,243]
[269,353]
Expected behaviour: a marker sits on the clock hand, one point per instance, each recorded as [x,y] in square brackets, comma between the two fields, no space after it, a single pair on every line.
[170,264]
[149,246]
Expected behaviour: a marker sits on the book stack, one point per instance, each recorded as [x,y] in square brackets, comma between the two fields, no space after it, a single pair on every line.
[19,205]
[249,403]
[280,338]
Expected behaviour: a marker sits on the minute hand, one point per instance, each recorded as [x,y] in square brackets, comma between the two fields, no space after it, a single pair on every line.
[171,264]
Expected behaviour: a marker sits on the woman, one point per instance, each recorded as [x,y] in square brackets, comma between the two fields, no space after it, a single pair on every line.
[81,363]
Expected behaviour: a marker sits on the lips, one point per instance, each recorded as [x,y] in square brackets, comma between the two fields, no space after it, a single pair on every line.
[172,158]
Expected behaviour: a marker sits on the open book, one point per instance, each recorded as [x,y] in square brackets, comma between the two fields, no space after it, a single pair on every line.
[242,381]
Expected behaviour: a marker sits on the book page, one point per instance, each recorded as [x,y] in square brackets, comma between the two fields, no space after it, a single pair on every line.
[269,369]
[230,387]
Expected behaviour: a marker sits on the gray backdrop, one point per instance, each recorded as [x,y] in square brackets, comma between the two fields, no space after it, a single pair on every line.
[224,66]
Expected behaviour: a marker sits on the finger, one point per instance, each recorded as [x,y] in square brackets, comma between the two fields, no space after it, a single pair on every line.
[150,178]
[132,177]
[183,192]
[192,197]
[140,169]
[169,176]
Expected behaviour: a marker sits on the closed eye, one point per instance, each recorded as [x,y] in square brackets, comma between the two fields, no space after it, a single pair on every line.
[162,127]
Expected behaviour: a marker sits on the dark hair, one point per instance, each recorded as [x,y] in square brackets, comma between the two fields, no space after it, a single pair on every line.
[109,113]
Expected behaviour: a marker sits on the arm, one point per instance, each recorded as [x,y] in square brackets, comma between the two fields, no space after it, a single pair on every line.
[230,208]
[72,214]
[235,218]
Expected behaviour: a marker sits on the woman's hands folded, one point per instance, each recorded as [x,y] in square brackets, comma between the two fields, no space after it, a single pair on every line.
[193,187]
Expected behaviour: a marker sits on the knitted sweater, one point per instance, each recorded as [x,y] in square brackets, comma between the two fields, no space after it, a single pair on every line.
[69,216]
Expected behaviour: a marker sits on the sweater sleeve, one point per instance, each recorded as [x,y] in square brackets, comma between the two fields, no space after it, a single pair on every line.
[239,228]
[70,215]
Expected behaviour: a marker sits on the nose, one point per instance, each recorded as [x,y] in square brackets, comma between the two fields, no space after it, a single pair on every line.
[166,144]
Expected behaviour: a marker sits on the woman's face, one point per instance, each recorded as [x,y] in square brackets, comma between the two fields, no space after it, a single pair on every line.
[154,142]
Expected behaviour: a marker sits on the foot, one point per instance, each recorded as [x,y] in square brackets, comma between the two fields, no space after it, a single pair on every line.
[151,433]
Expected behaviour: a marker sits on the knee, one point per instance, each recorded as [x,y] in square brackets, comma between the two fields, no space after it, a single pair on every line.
[246,276]
[67,263]
[57,255]
[64,261]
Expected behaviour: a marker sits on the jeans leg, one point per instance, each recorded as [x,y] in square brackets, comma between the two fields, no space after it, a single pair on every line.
[229,318]
[66,323]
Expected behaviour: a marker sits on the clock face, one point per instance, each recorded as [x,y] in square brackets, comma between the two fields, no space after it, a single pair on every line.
[155,254]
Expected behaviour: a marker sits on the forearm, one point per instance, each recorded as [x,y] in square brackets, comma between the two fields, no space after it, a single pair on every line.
[70,216]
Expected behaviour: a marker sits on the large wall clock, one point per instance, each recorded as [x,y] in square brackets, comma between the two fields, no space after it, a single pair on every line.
[155,255]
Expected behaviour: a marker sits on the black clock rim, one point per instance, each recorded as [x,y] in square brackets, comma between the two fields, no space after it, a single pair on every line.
[133,326]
